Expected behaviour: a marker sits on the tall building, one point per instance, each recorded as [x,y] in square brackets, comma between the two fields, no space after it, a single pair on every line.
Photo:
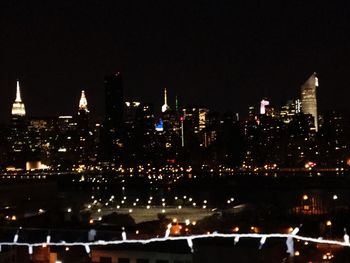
[165,106]
[195,121]
[65,142]
[111,130]
[18,108]
[334,139]
[114,102]
[42,136]
[263,104]
[289,110]
[83,102]
[18,133]
[84,143]
[301,146]
[308,98]
[139,133]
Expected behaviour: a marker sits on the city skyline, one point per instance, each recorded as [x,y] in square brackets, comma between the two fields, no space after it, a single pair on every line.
[211,54]
[173,103]
[131,132]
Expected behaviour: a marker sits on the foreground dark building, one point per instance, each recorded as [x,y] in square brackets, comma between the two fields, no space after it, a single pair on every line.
[111,132]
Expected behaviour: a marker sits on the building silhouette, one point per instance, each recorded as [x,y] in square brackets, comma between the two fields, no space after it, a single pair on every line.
[111,130]
[113,85]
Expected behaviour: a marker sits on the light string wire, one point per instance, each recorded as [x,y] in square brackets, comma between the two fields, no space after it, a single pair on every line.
[189,239]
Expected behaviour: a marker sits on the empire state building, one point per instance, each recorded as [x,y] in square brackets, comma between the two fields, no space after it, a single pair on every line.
[18,136]
[18,108]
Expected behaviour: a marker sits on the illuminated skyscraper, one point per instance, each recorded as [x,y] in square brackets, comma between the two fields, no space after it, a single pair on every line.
[83,102]
[165,106]
[18,108]
[84,142]
[263,105]
[18,133]
[308,98]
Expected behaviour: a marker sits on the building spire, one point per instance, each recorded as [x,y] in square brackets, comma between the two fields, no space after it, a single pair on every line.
[18,108]
[165,97]
[165,107]
[83,102]
[18,93]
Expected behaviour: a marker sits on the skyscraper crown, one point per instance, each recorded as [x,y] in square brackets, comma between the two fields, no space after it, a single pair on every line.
[18,108]
[83,102]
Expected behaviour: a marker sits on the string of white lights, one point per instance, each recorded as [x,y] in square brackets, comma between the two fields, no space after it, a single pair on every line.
[263,237]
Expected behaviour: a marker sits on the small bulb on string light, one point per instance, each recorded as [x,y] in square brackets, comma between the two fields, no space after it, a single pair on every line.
[262,241]
[48,239]
[15,238]
[30,250]
[346,237]
[295,231]
[87,249]
[190,244]
[167,232]
[236,240]
[123,234]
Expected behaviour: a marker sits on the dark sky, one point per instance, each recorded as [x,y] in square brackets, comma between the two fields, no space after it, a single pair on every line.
[224,54]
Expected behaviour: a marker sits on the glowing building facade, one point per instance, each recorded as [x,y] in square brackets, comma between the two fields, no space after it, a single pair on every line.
[263,105]
[289,110]
[18,108]
[165,106]
[83,102]
[308,98]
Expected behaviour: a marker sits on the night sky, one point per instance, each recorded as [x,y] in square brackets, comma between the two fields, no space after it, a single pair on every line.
[224,54]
